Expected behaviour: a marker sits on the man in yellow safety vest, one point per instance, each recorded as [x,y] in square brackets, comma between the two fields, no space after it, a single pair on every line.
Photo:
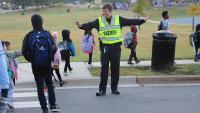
[110,35]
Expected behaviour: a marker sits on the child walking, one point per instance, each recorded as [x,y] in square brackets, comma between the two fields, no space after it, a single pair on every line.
[88,45]
[196,43]
[67,50]
[133,46]
[57,60]
[11,56]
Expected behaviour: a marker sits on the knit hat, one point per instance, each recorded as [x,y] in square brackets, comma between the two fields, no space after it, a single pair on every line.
[55,35]
[133,29]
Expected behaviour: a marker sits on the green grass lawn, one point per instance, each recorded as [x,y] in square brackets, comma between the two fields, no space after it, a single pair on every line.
[174,12]
[14,26]
[192,69]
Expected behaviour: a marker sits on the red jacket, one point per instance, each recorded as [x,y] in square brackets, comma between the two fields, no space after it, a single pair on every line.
[134,31]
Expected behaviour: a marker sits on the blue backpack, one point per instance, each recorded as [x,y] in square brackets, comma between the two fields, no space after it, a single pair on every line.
[41,48]
[128,39]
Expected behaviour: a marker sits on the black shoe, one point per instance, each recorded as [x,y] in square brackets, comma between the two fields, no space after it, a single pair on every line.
[130,63]
[100,93]
[62,83]
[115,92]
[137,61]
[55,109]
[196,60]
[45,111]
[10,107]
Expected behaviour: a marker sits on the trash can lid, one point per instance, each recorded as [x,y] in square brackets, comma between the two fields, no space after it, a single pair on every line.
[164,34]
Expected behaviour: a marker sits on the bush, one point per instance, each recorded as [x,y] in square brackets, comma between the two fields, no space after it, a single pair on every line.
[68,10]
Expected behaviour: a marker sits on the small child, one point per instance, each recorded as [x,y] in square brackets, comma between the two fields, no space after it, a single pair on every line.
[67,50]
[133,46]
[88,46]
[164,24]
[196,43]
[14,62]
[12,69]
[57,59]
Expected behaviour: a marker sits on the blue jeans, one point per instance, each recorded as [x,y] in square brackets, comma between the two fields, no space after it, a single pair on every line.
[10,91]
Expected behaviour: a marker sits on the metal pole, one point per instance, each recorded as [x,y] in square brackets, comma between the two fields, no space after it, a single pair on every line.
[193,24]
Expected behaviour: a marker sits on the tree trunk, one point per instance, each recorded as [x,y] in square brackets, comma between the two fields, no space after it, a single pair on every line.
[139,25]
[38,7]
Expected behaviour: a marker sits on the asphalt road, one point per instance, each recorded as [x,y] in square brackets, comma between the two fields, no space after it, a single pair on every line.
[133,99]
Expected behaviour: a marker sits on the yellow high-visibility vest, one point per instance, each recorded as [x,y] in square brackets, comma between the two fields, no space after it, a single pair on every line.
[110,33]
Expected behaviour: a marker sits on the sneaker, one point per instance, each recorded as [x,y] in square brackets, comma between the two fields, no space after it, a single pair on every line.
[115,92]
[130,63]
[89,66]
[62,83]
[100,93]
[196,60]
[45,111]
[55,109]
[137,61]
[65,73]
[10,106]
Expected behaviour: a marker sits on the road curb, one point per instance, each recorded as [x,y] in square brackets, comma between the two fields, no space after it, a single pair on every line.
[168,79]
[81,81]
[92,81]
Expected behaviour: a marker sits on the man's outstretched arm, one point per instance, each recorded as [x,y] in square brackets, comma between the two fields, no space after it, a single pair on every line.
[89,25]
[129,22]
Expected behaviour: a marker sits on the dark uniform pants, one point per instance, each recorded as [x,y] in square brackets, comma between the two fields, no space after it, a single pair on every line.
[110,54]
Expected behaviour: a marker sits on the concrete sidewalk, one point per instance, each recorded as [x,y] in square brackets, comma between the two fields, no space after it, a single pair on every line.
[147,63]
[79,71]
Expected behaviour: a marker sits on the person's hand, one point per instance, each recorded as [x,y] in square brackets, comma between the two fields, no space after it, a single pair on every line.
[78,24]
[147,18]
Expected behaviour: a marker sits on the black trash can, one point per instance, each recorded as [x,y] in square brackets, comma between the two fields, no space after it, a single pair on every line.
[163,51]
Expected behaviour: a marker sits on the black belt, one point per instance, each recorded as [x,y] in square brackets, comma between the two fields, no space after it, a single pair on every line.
[115,44]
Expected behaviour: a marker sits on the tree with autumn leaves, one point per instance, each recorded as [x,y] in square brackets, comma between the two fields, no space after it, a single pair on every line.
[194,10]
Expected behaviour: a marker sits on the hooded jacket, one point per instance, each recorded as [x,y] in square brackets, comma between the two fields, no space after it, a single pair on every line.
[37,24]
[4,79]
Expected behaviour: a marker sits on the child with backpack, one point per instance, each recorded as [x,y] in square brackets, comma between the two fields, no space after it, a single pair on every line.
[88,45]
[195,40]
[14,62]
[39,48]
[164,24]
[67,50]
[57,60]
[12,72]
[133,46]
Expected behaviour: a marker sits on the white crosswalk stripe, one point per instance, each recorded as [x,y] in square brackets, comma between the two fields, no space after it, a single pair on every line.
[25,100]
[28,104]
